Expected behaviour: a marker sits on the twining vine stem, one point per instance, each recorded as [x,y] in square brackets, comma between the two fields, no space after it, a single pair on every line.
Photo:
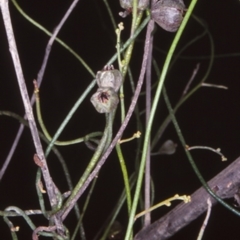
[125,122]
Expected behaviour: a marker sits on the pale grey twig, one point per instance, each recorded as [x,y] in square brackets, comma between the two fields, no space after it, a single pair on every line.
[39,80]
[52,39]
[51,189]
[203,227]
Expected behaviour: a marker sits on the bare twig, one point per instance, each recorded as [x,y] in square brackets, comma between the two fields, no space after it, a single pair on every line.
[217,151]
[214,85]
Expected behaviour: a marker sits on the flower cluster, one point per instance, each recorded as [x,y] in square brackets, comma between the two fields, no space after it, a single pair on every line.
[106,99]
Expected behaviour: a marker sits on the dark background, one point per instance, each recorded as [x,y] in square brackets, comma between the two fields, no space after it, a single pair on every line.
[211,117]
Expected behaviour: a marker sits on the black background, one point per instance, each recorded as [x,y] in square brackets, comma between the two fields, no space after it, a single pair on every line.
[211,117]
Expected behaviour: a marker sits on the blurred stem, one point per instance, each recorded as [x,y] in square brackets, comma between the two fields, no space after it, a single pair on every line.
[110,14]
[151,117]
[84,209]
[112,217]
[216,56]
[141,27]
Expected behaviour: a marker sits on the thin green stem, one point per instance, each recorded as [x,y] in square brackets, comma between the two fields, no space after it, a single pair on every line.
[39,192]
[69,115]
[128,53]
[125,176]
[46,133]
[91,85]
[110,14]
[151,117]
[134,16]
[15,214]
